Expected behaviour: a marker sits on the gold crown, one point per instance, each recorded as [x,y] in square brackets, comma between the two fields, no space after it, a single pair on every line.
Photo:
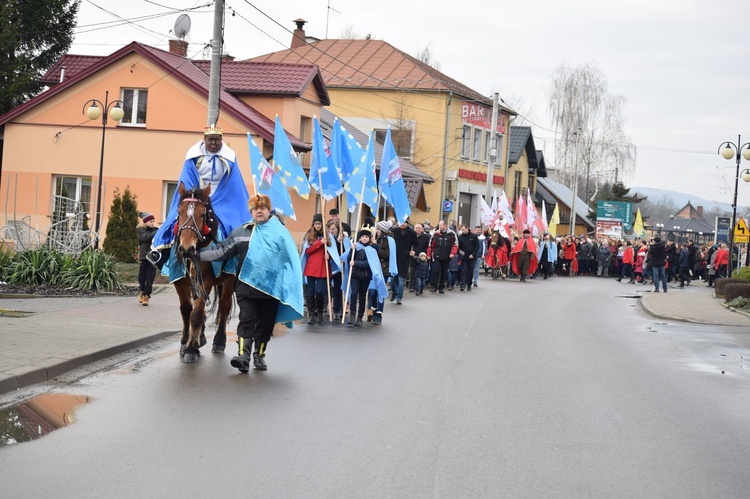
[212,130]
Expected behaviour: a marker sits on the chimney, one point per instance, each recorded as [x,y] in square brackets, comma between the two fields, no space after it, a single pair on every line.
[178,47]
[62,74]
[227,57]
[699,209]
[298,37]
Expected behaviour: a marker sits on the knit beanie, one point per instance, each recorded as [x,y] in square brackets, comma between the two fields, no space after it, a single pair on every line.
[146,216]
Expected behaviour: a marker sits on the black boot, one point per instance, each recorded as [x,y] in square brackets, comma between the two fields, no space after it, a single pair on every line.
[259,362]
[242,360]
[311,316]
[320,304]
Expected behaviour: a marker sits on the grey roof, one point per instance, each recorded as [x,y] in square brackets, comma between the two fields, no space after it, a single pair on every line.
[683,225]
[542,171]
[543,194]
[521,139]
[414,178]
[408,169]
[565,195]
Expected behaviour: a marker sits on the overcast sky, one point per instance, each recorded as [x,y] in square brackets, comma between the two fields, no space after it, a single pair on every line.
[682,65]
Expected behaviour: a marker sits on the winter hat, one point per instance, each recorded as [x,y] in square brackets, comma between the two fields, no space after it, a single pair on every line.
[364,231]
[146,216]
[259,201]
[384,226]
[318,217]
[423,254]
[333,211]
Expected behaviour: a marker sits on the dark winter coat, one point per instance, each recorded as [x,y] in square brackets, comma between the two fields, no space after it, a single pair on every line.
[658,254]
[443,245]
[405,240]
[145,236]
[422,269]
[468,245]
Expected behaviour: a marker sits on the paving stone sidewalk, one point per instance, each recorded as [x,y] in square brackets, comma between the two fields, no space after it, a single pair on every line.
[696,303]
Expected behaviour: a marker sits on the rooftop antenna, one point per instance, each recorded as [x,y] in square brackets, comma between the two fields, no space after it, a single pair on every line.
[328,15]
[182,26]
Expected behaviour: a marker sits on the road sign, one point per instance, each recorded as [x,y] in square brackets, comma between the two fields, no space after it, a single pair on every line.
[741,232]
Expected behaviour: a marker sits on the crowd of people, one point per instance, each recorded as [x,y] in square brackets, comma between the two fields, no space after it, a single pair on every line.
[339,272]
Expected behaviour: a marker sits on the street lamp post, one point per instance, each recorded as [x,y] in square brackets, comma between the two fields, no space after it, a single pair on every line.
[660,226]
[731,149]
[113,109]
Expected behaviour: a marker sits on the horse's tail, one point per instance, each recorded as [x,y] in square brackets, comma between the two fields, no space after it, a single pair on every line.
[212,309]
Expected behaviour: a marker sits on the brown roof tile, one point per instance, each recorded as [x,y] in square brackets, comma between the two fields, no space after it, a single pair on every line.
[371,64]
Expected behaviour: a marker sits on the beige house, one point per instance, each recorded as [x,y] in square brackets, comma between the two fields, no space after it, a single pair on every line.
[438,123]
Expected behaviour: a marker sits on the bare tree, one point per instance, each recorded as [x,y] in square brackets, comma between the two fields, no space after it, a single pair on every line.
[426,56]
[589,124]
[401,120]
[349,33]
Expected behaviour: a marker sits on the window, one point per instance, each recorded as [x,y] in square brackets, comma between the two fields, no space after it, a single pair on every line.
[305,129]
[135,103]
[517,189]
[77,189]
[401,140]
[477,145]
[169,189]
[487,146]
[465,141]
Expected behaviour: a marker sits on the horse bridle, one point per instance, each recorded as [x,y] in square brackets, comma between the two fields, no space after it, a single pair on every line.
[191,216]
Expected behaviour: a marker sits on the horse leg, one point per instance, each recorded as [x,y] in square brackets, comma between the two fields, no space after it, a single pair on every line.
[197,319]
[225,307]
[186,308]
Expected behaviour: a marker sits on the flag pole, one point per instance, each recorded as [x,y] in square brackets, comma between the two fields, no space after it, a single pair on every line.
[325,251]
[354,247]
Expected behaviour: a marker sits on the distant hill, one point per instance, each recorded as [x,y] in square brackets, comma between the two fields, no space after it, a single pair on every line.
[681,199]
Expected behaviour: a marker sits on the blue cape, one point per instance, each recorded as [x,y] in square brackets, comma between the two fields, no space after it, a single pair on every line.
[272,266]
[377,282]
[229,200]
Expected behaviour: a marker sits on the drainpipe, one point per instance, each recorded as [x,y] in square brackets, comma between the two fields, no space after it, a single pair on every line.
[445,153]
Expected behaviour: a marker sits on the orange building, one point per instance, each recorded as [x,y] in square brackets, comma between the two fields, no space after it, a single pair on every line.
[51,147]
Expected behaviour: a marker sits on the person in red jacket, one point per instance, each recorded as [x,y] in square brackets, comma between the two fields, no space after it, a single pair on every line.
[628,259]
[721,261]
[523,259]
[315,269]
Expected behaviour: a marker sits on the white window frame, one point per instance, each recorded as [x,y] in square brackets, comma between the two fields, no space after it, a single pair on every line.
[476,145]
[170,188]
[465,142]
[78,190]
[136,95]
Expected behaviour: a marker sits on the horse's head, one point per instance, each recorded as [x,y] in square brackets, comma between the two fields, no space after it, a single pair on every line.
[194,223]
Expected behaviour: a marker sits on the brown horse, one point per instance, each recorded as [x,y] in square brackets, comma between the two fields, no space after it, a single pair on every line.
[196,228]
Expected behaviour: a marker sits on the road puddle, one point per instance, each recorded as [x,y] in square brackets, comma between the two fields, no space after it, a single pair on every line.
[38,416]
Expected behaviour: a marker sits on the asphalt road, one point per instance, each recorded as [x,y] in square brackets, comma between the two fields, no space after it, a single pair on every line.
[557,388]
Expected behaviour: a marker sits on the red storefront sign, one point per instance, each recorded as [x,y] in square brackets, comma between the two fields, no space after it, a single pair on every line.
[480,176]
[479,115]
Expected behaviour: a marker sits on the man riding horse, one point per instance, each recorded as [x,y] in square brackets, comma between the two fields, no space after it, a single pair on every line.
[212,163]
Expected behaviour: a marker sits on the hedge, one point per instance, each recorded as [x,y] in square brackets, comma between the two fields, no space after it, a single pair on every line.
[723,281]
[736,290]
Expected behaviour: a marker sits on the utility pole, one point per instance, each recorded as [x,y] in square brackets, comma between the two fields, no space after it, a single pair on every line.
[492,151]
[214,81]
[575,188]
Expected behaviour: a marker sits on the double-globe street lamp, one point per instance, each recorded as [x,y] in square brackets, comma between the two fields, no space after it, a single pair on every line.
[731,149]
[115,111]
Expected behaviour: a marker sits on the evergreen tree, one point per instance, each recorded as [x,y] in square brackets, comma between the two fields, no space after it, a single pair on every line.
[614,192]
[121,239]
[33,36]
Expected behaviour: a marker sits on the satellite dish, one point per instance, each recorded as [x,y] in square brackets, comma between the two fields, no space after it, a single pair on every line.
[182,26]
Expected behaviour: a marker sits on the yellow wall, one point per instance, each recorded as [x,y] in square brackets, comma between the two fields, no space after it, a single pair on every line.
[428,110]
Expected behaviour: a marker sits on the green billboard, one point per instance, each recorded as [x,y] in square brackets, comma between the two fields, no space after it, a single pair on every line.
[614,211]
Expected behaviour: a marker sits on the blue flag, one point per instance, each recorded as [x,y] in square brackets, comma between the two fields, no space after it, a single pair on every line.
[346,153]
[322,169]
[392,185]
[361,184]
[287,163]
[268,182]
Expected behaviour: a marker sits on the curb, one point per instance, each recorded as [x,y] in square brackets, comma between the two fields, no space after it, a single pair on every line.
[36,375]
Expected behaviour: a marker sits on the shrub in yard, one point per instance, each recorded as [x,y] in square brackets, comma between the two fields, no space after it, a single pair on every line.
[93,270]
[40,266]
[122,236]
[742,273]
[740,303]
[723,281]
[6,256]
[736,290]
